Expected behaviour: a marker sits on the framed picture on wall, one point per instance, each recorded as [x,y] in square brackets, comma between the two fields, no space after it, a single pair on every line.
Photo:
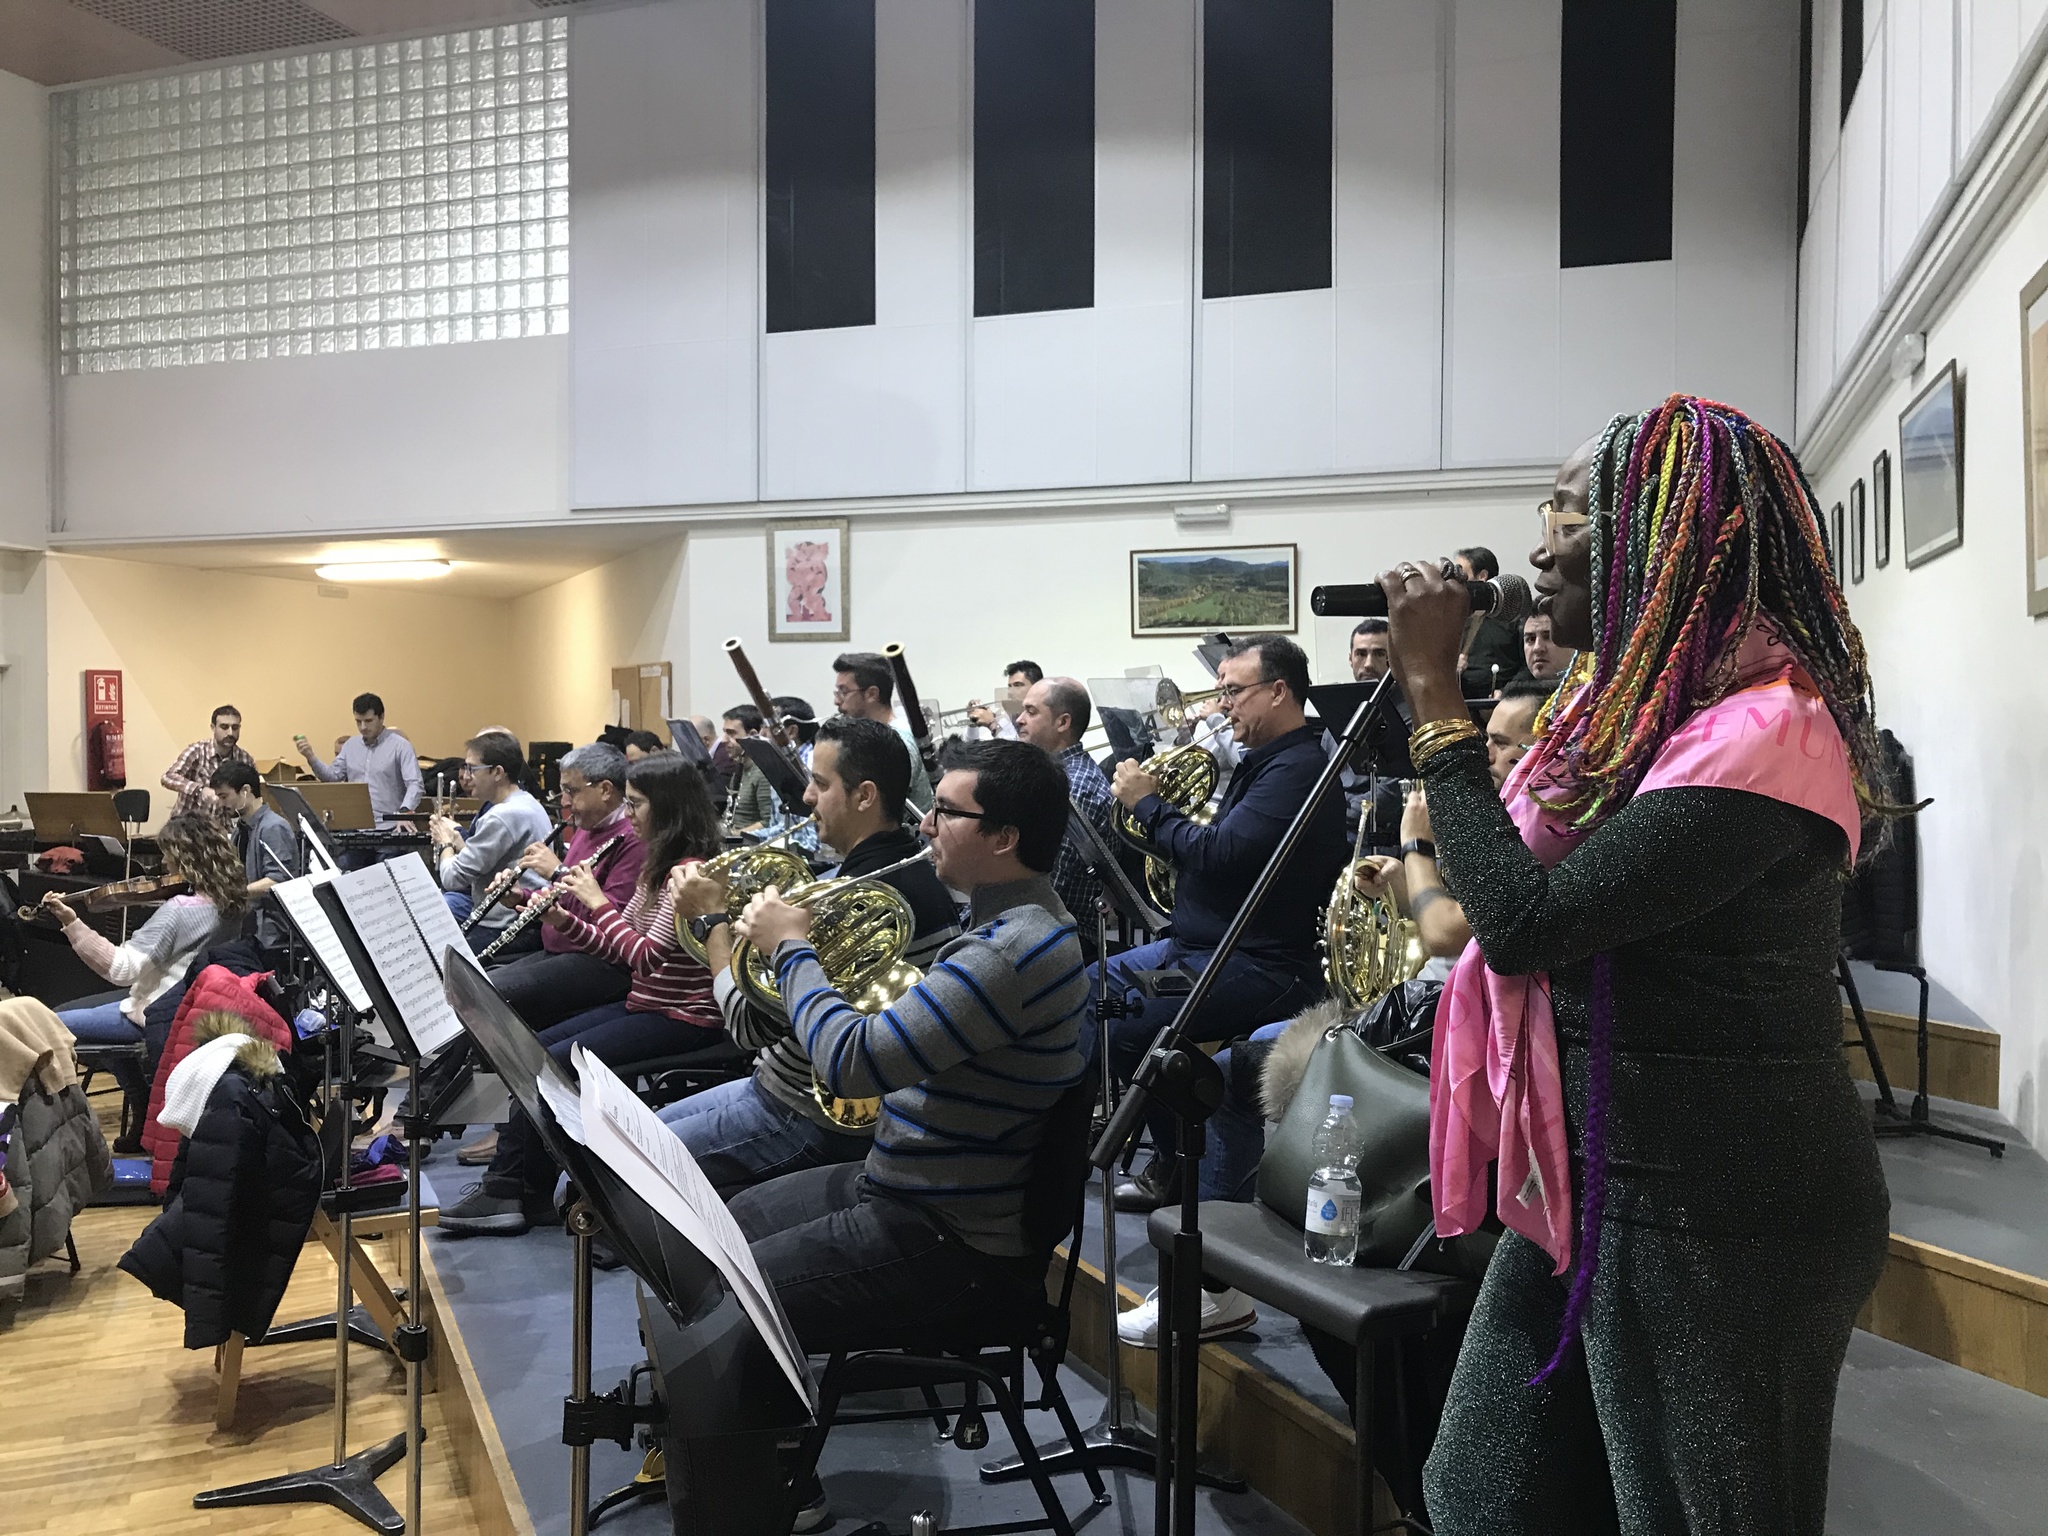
[2034,418]
[1881,508]
[1858,520]
[1835,542]
[1931,469]
[1250,588]
[808,587]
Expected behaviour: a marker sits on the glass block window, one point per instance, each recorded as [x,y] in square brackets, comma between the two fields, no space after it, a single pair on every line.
[399,194]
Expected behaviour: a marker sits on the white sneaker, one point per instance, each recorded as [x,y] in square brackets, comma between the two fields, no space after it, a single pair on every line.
[1223,1312]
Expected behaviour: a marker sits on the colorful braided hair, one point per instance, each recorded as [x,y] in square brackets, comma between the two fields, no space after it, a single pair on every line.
[1703,524]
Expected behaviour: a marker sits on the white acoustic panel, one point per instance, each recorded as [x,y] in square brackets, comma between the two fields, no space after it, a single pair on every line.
[1502,310]
[1919,119]
[1389,66]
[1817,258]
[1989,37]
[665,220]
[1858,270]
[1100,396]
[1735,205]
[1617,345]
[882,409]
[1266,386]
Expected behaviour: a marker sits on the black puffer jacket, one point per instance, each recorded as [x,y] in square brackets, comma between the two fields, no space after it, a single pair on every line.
[243,1192]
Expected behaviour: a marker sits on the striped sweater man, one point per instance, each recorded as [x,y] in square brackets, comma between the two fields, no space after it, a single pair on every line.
[968,1062]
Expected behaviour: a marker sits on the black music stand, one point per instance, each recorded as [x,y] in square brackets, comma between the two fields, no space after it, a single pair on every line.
[688,744]
[1117,1439]
[715,1377]
[784,777]
[1188,1083]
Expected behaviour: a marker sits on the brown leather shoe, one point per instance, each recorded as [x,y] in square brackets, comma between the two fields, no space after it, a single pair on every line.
[478,1153]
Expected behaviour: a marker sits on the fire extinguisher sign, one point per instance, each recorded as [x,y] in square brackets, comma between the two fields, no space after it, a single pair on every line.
[104,765]
[102,697]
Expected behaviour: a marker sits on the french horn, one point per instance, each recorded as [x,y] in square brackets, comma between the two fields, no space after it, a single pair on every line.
[1187,777]
[1368,948]
[747,872]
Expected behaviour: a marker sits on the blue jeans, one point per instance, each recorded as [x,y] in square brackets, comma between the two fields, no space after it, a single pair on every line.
[742,1135]
[1237,1131]
[106,1024]
[1248,994]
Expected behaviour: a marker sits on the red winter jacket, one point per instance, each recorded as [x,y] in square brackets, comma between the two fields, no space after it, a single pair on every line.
[214,987]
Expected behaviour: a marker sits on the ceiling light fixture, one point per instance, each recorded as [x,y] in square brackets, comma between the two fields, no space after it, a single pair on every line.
[385,570]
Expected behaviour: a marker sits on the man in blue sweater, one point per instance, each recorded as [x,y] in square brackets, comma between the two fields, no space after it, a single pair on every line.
[930,1228]
[1275,970]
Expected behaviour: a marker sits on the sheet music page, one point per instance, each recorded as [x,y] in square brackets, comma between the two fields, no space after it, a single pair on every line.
[628,1138]
[316,851]
[566,1107]
[385,925]
[310,918]
[429,909]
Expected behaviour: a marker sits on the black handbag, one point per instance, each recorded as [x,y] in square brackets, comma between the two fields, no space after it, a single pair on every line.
[1390,1103]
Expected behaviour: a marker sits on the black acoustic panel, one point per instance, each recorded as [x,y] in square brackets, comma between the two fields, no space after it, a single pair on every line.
[821,164]
[1852,53]
[1615,131]
[1034,155]
[1266,150]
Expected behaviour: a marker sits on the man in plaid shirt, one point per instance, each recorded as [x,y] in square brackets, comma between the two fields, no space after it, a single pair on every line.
[1053,717]
[191,775]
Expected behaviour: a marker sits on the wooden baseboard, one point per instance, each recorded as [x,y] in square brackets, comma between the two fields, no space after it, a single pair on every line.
[1962,1061]
[1982,1317]
[482,1466]
[1277,1440]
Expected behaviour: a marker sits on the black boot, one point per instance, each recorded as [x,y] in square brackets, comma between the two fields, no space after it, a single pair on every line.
[1156,1185]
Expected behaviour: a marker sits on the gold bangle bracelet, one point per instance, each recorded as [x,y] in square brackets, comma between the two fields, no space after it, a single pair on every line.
[1430,739]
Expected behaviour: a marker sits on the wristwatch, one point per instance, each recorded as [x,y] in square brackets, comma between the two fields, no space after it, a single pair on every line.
[1418,845]
[702,926]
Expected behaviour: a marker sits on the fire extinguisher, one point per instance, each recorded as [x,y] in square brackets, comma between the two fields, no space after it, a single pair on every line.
[110,754]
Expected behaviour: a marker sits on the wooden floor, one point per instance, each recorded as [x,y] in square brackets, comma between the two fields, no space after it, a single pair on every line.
[109,1420]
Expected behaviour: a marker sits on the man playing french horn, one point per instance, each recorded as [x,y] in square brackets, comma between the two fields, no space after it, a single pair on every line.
[776,1121]
[1276,970]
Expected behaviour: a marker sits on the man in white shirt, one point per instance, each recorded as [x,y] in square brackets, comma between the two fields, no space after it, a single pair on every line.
[382,759]
[508,823]
[864,689]
[994,720]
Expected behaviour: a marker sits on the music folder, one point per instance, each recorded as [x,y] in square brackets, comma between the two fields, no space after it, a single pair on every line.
[738,1383]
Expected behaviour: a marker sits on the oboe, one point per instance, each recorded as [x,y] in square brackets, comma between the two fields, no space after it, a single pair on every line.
[532,911]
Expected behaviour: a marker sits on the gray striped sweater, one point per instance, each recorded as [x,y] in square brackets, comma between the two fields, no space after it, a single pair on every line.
[968,1062]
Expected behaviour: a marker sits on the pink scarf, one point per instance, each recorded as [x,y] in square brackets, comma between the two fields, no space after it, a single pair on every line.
[1495,1090]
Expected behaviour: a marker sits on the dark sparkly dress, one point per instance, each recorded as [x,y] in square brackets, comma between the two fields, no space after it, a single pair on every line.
[1746,1215]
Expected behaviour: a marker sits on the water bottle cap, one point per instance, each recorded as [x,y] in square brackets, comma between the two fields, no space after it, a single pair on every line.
[1340,1101]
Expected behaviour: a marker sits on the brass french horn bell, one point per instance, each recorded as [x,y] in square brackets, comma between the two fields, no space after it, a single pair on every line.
[1368,948]
[747,872]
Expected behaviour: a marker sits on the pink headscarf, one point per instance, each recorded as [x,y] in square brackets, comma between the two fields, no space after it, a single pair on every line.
[1496,1093]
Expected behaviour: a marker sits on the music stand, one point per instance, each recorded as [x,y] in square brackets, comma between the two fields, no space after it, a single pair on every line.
[688,744]
[784,777]
[715,1375]
[1114,1441]
[337,807]
[288,801]
[60,815]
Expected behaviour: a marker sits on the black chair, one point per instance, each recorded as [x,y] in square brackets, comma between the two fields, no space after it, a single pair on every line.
[993,1356]
[1258,1250]
[664,1079]
[96,1058]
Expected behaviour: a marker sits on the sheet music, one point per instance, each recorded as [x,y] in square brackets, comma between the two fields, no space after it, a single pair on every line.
[429,909]
[310,918]
[385,925]
[565,1106]
[316,850]
[627,1137]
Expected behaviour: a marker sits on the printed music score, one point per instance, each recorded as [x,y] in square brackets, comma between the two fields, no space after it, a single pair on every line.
[626,1135]
[384,922]
[307,915]
[429,909]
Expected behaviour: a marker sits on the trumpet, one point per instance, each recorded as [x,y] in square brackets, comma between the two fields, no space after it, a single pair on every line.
[531,913]
[861,929]
[1177,710]
[746,873]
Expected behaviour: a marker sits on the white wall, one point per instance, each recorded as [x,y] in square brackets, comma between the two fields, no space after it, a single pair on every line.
[24,366]
[1962,672]
[963,596]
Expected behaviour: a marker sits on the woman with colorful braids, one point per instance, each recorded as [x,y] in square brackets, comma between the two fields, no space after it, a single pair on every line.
[1644,1039]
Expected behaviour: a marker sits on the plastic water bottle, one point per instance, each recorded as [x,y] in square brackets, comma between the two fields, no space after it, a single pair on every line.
[1330,1233]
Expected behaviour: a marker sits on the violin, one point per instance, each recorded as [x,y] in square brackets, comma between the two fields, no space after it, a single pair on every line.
[105,898]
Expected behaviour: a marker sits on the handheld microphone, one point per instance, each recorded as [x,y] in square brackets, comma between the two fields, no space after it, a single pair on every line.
[1507,598]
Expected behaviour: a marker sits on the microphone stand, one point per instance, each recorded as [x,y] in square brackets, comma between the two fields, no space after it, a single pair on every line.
[1187,1082]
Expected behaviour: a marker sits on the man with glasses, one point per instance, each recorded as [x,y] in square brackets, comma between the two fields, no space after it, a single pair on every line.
[862,689]
[508,823]
[1274,971]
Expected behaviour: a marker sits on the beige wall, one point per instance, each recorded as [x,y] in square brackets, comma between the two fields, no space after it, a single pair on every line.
[290,660]
[571,635]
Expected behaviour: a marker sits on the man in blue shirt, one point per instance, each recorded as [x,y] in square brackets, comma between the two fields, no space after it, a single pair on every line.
[382,759]
[1275,970]
[1053,717]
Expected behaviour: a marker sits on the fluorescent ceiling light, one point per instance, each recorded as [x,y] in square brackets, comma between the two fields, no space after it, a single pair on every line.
[385,570]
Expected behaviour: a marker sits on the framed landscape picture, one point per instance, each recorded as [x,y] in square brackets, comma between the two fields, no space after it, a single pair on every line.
[1931,469]
[2034,426]
[1249,589]
[807,580]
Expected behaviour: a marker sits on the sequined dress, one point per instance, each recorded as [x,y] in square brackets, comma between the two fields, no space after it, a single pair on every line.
[1746,1214]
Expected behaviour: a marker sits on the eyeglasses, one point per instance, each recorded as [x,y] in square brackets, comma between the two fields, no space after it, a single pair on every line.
[1230,693]
[1557,522]
[941,809]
